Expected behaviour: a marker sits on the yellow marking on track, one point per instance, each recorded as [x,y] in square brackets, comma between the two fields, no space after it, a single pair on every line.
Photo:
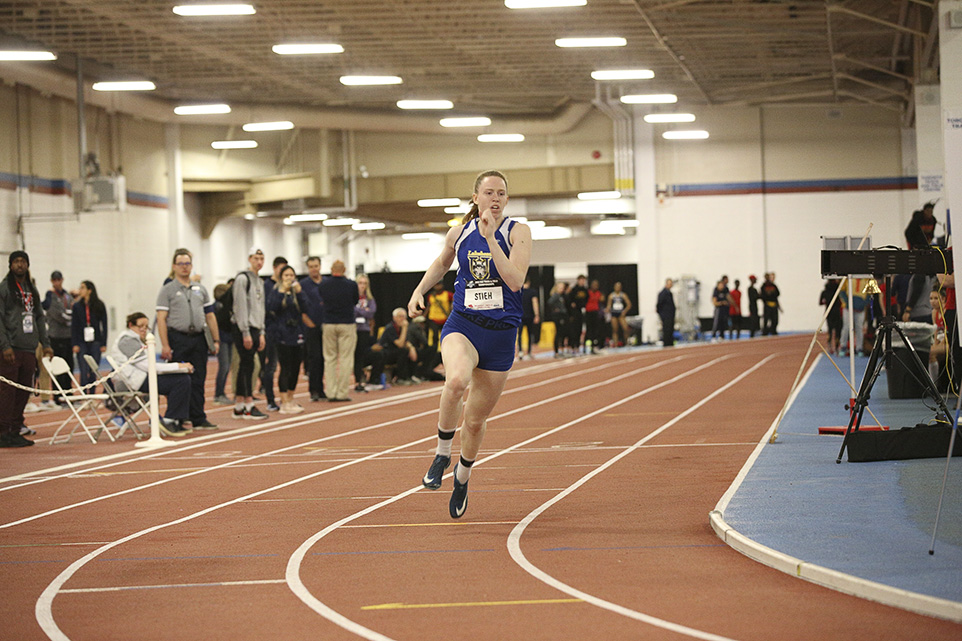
[445,524]
[467,604]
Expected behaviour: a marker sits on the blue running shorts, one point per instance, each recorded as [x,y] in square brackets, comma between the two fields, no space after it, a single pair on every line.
[495,344]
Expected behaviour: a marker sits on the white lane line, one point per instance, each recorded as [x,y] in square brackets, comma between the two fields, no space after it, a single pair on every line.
[258,429]
[296,560]
[514,539]
[216,584]
[239,462]
[44,606]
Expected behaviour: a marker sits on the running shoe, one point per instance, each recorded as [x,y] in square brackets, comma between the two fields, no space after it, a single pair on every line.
[254,414]
[459,497]
[26,431]
[432,480]
[172,427]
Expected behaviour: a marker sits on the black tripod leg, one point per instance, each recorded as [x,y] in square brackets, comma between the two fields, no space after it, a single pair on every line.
[872,371]
[924,377]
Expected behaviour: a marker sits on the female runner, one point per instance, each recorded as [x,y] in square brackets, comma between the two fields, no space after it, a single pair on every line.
[478,339]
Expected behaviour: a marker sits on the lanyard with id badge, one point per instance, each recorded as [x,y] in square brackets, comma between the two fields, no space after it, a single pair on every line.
[89,334]
[483,292]
[27,318]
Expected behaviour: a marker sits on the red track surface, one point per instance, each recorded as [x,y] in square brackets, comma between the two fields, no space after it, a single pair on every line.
[587,519]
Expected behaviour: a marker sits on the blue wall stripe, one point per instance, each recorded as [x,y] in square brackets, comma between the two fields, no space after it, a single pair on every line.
[59,187]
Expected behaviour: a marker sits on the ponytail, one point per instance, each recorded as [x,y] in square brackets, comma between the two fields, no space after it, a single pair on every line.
[471,215]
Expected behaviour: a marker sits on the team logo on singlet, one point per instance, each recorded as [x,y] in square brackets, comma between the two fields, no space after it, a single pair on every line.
[480,265]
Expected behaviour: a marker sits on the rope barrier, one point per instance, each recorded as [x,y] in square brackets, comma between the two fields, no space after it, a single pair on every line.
[73,391]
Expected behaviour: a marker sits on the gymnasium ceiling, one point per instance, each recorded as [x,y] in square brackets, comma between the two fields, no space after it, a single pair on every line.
[490,60]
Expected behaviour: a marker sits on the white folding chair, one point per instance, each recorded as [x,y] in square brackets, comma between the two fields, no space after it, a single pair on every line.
[125,404]
[82,405]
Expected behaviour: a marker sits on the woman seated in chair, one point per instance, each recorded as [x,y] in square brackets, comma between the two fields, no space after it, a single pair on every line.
[133,375]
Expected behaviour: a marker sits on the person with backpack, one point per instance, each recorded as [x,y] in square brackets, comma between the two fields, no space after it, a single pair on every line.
[223,303]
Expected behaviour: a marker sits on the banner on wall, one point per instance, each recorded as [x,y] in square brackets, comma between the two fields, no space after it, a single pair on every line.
[953,180]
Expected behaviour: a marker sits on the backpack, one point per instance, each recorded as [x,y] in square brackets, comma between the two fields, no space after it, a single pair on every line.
[224,306]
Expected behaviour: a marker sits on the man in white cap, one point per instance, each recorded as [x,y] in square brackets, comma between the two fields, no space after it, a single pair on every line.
[249,311]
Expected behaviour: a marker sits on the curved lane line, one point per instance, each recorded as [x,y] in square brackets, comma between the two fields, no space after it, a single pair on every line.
[293,575]
[279,425]
[205,470]
[44,607]
[514,539]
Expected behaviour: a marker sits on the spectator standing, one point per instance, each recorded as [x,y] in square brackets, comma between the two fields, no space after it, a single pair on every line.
[769,294]
[834,317]
[594,319]
[558,314]
[722,302]
[617,308]
[364,354]
[225,351]
[577,299]
[313,319]
[185,316]
[88,329]
[249,311]
[735,312]
[133,375]
[753,324]
[22,329]
[530,317]
[285,304]
[440,301]
[58,308]
[339,335]
[918,307]
[268,355]
[665,307]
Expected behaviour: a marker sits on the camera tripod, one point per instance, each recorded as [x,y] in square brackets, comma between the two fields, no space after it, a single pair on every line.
[882,356]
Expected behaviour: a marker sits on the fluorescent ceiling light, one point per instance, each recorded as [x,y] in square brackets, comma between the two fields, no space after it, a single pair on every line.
[307,218]
[439,202]
[307,49]
[249,216]
[128,85]
[454,222]
[27,55]
[551,233]
[193,10]
[340,222]
[599,195]
[694,134]
[623,74]
[269,126]
[234,144]
[197,110]
[606,228]
[425,104]
[421,235]
[460,209]
[591,42]
[370,80]
[501,138]
[656,118]
[474,121]
[649,98]
[543,4]
[288,221]
[367,226]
